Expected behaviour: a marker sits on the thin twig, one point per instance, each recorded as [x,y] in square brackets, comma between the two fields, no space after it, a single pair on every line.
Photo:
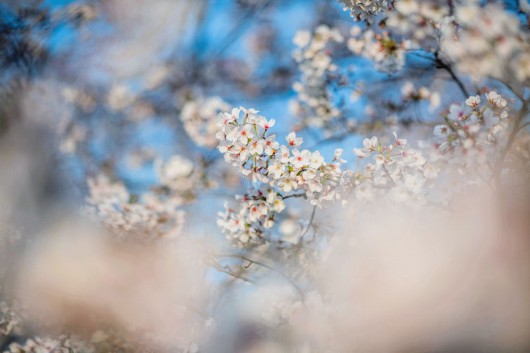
[237,30]
[310,223]
[441,64]
[264,265]
[293,195]
[224,269]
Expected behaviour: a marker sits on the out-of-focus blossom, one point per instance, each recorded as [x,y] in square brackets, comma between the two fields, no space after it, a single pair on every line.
[366,10]
[83,280]
[387,54]
[200,119]
[313,105]
[487,42]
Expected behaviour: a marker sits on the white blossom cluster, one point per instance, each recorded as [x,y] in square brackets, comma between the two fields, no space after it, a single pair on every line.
[471,135]
[387,54]
[475,124]
[148,217]
[10,319]
[471,140]
[428,208]
[366,10]
[418,21]
[120,97]
[257,212]
[199,118]
[487,42]
[410,93]
[313,105]
[62,344]
[179,177]
[398,171]
[246,143]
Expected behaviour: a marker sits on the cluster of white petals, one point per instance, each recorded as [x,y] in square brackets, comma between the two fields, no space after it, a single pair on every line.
[246,143]
[179,177]
[419,21]
[366,10]
[256,213]
[474,124]
[411,93]
[10,319]
[259,236]
[472,139]
[199,118]
[146,217]
[313,105]
[387,54]
[120,97]
[397,171]
[62,344]
[487,42]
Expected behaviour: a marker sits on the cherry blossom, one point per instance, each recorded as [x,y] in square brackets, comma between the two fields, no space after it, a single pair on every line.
[313,105]
[366,10]
[248,223]
[291,171]
[242,141]
[396,170]
[146,217]
[199,118]
[387,53]
[486,41]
